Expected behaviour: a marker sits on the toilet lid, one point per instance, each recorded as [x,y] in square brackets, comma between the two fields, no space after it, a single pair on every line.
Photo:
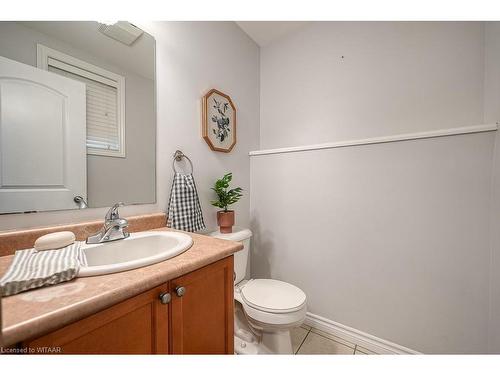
[273,295]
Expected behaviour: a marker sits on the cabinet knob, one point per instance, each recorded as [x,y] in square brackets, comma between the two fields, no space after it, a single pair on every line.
[180,291]
[165,298]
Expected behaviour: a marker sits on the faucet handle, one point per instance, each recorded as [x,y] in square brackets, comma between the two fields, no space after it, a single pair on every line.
[112,213]
[120,223]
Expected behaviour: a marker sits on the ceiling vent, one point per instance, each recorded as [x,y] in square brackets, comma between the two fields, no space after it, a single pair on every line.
[121,31]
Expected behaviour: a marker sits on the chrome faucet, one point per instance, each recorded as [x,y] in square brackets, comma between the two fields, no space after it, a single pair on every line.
[113,229]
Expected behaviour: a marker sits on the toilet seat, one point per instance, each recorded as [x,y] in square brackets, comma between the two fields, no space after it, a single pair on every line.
[273,296]
[272,302]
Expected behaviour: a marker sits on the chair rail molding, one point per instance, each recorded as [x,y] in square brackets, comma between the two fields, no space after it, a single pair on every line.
[386,139]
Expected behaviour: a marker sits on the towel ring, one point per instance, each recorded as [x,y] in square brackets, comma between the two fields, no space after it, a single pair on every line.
[178,157]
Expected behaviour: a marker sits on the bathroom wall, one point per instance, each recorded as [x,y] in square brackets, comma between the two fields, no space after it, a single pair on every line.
[18,42]
[492,114]
[192,57]
[333,81]
[391,239]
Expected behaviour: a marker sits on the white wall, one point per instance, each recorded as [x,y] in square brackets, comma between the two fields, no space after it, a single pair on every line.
[396,77]
[492,114]
[394,238]
[192,57]
[391,239]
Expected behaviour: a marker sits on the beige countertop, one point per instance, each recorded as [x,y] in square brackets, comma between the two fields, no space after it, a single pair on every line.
[33,313]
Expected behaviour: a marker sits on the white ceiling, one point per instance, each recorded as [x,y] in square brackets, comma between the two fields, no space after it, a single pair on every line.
[84,35]
[266,32]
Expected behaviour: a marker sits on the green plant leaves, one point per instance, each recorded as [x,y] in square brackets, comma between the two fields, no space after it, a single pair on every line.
[225,197]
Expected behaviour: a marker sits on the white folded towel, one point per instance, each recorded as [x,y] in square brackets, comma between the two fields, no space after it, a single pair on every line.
[31,269]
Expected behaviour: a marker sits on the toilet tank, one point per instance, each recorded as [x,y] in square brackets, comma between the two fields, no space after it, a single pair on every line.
[241,257]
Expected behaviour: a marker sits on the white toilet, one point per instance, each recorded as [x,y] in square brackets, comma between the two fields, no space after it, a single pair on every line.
[265,309]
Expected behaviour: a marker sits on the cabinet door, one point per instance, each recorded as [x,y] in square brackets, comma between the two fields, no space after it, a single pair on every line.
[202,313]
[138,325]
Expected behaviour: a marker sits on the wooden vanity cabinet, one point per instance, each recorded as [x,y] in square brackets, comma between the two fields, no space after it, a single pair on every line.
[139,325]
[202,310]
[195,316]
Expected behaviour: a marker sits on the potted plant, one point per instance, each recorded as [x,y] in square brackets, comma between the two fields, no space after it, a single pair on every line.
[225,217]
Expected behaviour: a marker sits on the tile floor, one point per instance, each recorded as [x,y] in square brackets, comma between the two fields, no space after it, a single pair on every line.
[307,340]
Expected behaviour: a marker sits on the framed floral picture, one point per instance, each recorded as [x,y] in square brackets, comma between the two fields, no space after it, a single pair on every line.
[219,121]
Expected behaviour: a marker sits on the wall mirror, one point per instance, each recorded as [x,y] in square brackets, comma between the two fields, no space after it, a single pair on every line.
[77,115]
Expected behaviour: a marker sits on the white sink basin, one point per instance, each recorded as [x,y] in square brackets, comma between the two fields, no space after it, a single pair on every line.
[138,250]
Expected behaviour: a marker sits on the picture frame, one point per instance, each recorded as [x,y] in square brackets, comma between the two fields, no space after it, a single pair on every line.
[218,121]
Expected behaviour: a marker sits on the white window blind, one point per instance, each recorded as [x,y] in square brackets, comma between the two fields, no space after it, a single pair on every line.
[105,95]
[102,126]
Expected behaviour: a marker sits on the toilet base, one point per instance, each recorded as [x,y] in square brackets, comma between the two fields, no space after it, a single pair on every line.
[243,347]
[251,340]
[278,342]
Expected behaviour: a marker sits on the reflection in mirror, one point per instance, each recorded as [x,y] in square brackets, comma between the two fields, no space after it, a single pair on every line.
[77,115]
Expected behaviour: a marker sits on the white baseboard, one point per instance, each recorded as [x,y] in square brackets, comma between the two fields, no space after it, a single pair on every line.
[370,342]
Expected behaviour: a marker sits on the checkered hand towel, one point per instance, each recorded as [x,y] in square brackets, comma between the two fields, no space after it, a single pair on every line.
[33,269]
[184,210]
